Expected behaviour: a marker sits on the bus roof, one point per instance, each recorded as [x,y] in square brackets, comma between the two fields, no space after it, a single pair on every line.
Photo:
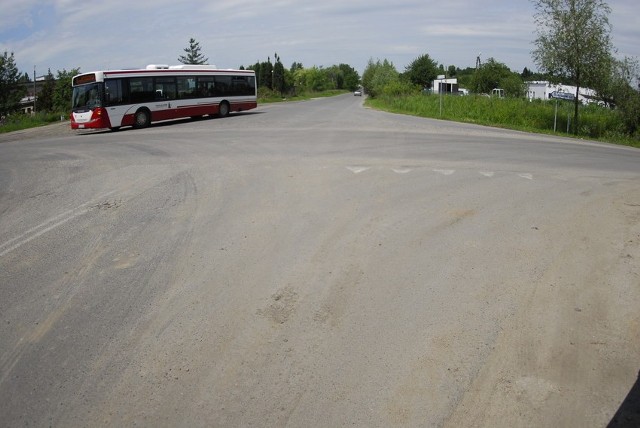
[155,69]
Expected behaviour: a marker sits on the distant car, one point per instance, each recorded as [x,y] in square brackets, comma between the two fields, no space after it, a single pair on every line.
[357,93]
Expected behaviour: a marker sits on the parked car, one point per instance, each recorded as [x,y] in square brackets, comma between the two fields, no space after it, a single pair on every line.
[357,93]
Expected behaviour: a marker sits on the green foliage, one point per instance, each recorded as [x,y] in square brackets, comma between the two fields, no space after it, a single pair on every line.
[274,81]
[514,113]
[193,54]
[313,79]
[618,91]
[574,42]
[513,85]
[378,75]
[264,73]
[16,122]
[351,78]
[45,97]
[398,88]
[494,74]
[63,91]
[422,71]
[11,92]
[278,76]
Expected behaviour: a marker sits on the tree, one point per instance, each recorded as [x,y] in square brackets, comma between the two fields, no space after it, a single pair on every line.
[11,92]
[422,71]
[63,91]
[493,74]
[620,91]
[278,76]
[379,75]
[193,54]
[573,42]
[265,78]
[45,97]
[526,73]
[351,78]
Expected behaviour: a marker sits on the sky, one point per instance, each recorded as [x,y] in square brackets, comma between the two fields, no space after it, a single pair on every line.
[116,34]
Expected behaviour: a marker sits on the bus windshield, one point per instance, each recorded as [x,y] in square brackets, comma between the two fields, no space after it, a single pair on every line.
[86,97]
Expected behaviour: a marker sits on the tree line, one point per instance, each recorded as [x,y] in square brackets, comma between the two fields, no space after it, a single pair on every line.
[273,78]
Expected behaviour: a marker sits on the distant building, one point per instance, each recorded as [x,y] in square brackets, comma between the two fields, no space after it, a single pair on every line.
[447,86]
[26,103]
[544,90]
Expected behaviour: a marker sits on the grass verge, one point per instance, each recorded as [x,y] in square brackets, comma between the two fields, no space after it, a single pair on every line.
[17,122]
[596,123]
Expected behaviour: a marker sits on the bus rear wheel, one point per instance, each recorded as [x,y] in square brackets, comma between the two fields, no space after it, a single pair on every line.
[223,110]
[142,119]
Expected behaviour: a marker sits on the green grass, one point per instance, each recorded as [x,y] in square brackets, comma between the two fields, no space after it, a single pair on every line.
[596,122]
[271,97]
[17,122]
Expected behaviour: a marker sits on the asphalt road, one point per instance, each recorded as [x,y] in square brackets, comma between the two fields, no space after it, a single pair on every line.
[316,264]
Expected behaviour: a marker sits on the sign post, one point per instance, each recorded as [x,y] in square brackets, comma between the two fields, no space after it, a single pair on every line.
[441,77]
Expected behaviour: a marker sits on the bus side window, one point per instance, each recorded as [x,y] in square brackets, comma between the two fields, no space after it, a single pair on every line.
[205,86]
[113,92]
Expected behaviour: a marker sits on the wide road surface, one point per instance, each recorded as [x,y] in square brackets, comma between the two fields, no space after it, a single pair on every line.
[316,264]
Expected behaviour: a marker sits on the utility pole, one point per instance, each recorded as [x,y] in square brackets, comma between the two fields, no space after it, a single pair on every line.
[34,89]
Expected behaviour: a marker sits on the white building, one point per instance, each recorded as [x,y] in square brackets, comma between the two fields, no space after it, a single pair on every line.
[544,90]
[449,86]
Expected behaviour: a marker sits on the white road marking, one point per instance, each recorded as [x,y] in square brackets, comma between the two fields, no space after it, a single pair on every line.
[527,176]
[401,170]
[487,173]
[445,171]
[48,225]
[358,169]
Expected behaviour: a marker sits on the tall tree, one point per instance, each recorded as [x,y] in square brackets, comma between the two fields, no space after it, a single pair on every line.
[573,42]
[193,54]
[377,76]
[493,74]
[278,76]
[621,90]
[351,77]
[63,91]
[422,71]
[265,78]
[45,97]
[11,92]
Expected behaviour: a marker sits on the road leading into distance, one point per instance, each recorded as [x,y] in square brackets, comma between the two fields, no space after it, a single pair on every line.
[316,264]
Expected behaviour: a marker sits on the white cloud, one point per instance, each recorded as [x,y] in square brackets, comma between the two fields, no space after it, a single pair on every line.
[69,34]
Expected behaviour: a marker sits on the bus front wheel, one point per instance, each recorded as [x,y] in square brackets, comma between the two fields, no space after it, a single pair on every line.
[223,110]
[142,119]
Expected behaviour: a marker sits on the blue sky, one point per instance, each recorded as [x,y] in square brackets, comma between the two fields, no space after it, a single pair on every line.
[65,34]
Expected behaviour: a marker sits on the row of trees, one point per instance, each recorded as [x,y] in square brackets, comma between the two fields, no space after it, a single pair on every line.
[382,78]
[273,77]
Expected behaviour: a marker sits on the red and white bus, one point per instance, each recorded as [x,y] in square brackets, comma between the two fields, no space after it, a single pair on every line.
[111,99]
